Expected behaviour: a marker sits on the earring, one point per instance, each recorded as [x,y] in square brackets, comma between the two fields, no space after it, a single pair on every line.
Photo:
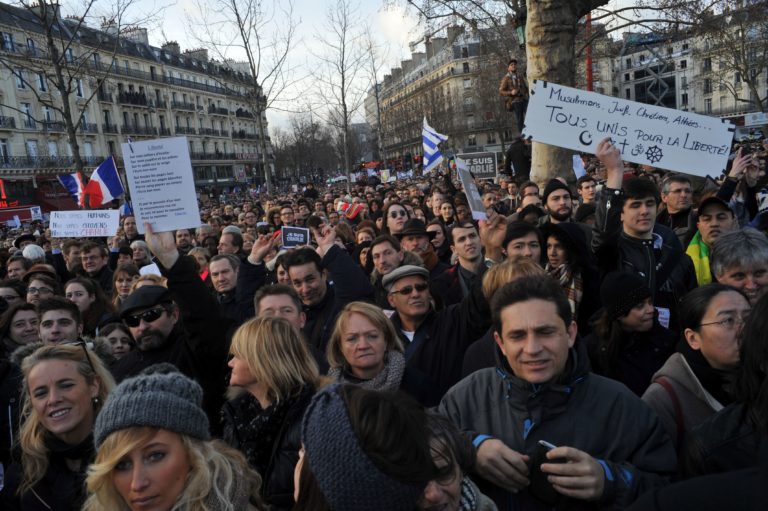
[96,401]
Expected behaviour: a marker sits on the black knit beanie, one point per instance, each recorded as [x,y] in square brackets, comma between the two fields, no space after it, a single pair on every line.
[554,184]
[620,291]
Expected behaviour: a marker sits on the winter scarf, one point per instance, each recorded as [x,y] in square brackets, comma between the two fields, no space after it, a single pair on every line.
[715,381]
[571,283]
[388,379]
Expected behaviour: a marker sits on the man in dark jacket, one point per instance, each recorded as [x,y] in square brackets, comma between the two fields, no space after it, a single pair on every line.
[310,272]
[95,259]
[153,314]
[415,238]
[626,239]
[550,434]
[435,341]
[454,284]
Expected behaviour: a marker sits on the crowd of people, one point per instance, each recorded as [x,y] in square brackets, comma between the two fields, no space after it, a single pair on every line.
[590,345]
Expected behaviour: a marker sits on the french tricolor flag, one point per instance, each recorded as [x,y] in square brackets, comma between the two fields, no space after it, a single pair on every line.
[104,185]
[74,185]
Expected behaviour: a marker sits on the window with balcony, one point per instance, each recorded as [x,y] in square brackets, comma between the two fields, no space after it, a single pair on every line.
[19,75]
[48,114]
[42,82]
[53,149]
[708,106]
[79,88]
[8,44]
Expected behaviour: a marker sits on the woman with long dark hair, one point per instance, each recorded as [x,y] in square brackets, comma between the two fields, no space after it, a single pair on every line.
[90,299]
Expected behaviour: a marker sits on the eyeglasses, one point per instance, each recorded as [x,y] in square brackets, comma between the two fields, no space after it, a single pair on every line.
[728,323]
[395,214]
[84,345]
[39,290]
[149,316]
[409,289]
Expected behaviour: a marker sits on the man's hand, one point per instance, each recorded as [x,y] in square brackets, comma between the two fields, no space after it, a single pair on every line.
[492,232]
[581,477]
[261,247]
[502,466]
[610,156]
[114,242]
[325,236]
[162,245]
[740,164]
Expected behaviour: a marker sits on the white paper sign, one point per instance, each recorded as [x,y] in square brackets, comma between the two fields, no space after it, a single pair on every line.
[162,185]
[85,223]
[646,134]
[470,190]
[578,166]
[150,269]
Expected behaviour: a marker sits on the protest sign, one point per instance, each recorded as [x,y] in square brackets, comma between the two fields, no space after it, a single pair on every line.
[85,223]
[470,189]
[162,185]
[481,165]
[578,166]
[295,236]
[645,134]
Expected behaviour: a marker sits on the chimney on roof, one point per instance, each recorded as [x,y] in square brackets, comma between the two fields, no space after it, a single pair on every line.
[137,35]
[200,54]
[172,47]
[109,26]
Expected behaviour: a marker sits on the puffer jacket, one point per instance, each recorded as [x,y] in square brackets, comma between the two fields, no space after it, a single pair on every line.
[661,261]
[582,410]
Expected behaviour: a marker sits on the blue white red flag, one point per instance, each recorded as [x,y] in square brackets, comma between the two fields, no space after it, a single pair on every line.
[74,185]
[105,184]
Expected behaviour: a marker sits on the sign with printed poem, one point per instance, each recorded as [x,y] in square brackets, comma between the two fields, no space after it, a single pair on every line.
[645,134]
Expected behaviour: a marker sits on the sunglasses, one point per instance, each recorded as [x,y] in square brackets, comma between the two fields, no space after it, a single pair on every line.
[83,345]
[409,289]
[395,214]
[149,316]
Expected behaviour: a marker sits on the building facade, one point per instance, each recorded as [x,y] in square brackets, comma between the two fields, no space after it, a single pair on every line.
[123,87]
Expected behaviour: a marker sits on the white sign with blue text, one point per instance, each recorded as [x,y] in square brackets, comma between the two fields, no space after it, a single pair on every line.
[646,134]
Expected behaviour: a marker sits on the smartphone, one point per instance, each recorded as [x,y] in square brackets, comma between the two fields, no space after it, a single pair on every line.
[540,486]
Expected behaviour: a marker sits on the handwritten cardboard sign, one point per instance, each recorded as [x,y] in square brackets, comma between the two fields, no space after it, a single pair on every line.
[646,134]
[481,165]
[471,191]
[84,224]
[295,236]
[162,185]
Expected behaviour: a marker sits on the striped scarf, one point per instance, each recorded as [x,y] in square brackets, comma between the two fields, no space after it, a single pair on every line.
[698,251]
[571,283]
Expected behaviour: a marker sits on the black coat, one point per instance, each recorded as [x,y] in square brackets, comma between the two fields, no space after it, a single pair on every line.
[10,400]
[61,489]
[440,341]
[277,480]
[199,343]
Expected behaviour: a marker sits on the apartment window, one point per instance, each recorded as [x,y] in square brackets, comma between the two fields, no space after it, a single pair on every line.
[53,149]
[27,109]
[111,146]
[708,106]
[5,152]
[628,63]
[107,117]
[707,65]
[48,114]
[8,44]
[42,82]
[79,85]
[626,77]
[69,56]
[683,82]
[669,50]
[492,138]
[685,46]
[19,74]
[32,148]
[628,93]
[707,86]
[31,46]
[683,64]
[465,67]
[642,58]
[126,119]
[470,122]
[684,98]
[97,60]
[472,140]
[88,150]
[467,83]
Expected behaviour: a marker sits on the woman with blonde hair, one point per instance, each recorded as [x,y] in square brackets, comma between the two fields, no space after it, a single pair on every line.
[365,350]
[149,279]
[277,375]
[482,353]
[64,389]
[155,452]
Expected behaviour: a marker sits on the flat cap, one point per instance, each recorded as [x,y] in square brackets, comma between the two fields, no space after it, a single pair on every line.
[144,297]
[403,271]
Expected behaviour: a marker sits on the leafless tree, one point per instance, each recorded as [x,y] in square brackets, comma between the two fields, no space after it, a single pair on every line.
[56,57]
[375,57]
[261,34]
[305,149]
[340,79]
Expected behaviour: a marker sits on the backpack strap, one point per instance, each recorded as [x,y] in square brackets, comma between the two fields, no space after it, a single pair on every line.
[664,382]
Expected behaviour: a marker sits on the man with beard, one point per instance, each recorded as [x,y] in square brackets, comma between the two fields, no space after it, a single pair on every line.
[415,238]
[184,240]
[153,315]
[558,202]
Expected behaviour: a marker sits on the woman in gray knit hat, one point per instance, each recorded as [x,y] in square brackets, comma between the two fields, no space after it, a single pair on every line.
[155,452]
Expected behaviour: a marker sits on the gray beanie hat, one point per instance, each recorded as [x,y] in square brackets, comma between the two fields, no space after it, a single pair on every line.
[339,464]
[167,401]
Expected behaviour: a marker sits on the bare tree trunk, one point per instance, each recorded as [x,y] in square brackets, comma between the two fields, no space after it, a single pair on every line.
[550,35]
